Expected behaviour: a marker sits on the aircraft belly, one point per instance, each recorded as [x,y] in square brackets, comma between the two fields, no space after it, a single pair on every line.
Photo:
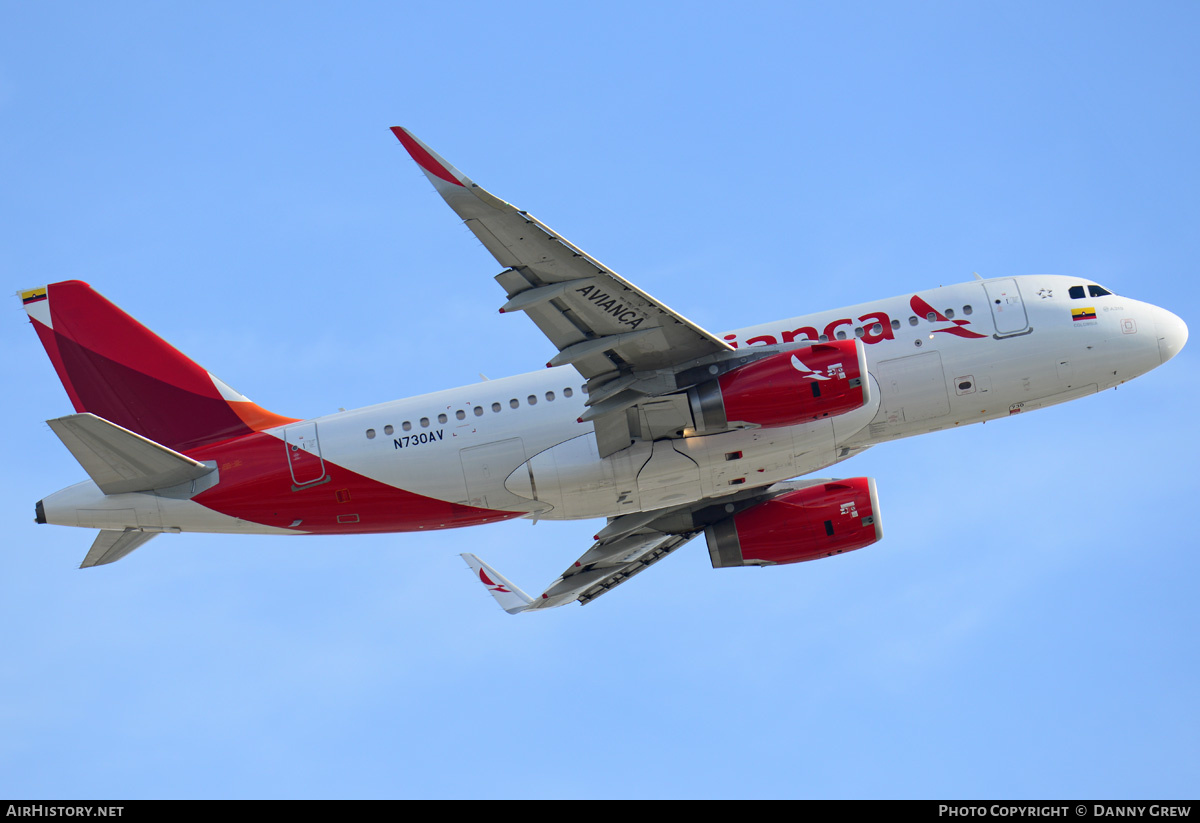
[731,461]
[668,477]
[651,475]
[573,479]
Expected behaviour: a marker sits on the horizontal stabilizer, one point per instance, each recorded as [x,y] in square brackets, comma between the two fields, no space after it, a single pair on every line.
[111,545]
[120,461]
[510,598]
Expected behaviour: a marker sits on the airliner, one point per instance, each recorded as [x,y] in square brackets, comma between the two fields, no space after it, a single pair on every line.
[643,418]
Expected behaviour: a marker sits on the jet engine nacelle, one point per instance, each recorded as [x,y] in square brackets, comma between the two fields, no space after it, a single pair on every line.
[817,521]
[785,389]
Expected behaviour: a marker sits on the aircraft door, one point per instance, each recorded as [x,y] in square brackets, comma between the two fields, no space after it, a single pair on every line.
[1008,310]
[304,454]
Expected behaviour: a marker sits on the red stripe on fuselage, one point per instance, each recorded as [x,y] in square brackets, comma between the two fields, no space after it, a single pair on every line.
[256,485]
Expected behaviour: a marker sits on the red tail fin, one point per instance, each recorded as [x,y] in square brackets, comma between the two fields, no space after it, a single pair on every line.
[114,367]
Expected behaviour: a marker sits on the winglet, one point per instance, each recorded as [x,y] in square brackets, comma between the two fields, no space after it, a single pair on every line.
[510,597]
[430,162]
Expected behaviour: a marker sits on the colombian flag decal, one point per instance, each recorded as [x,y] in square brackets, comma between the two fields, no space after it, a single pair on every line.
[33,295]
[1083,314]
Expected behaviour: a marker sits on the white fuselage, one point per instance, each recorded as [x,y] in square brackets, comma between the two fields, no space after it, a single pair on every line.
[993,348]
[922,380]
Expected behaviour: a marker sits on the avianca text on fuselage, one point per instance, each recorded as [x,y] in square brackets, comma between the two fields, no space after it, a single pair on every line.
[876,327]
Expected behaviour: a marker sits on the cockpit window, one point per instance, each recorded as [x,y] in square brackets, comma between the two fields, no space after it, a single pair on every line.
[1093,290]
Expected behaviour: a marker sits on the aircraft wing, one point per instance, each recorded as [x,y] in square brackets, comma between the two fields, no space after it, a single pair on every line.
[601,569]
[626,342]
[629,544]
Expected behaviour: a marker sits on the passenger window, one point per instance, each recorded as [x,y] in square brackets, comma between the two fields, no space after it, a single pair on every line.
[567,392]
[370,434]
[877,328]
[495,407]
[442,418]
[406,426]
[895,324]
[858,331]
[912,321]
[478,411]
[549,395]
[388,429]
[841,335]
[824,338]
[1096,291]
[1076,292]
[931,317]
[949,313]
[966,309]
[424,422]
[531,399]
[514,403]
[460,414]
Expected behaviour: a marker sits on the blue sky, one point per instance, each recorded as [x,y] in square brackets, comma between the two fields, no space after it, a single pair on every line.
[1026,629]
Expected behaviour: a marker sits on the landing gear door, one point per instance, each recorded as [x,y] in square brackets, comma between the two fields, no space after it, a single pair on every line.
[1008,310]
[304,454]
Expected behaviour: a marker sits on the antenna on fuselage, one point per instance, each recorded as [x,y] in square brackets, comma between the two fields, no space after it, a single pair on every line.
[977,277]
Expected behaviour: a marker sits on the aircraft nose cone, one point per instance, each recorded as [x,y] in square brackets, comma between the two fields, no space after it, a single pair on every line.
[1172,334]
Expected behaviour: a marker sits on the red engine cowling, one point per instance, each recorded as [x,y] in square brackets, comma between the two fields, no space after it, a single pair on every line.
[806,524]
[787,388]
